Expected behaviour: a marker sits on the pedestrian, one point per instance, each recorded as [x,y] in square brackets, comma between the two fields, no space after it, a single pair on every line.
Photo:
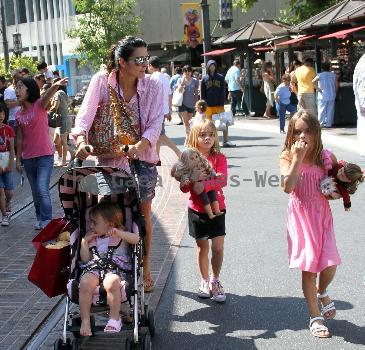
[282,98]
[311,240]
[43,69]
[269,88]
[143,95]
[212,91]
[173,85]
[40,80]
[243,82]
[359,92]
[34,146]
[59,105]
[204,138]
[7,155]
[105,230]
[303,77]
[234,88]
[154,70]
[327,86]
[3,86]
[189,87]
[10,99]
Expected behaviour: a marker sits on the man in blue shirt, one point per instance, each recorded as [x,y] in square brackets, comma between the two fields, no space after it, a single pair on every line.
[234,87]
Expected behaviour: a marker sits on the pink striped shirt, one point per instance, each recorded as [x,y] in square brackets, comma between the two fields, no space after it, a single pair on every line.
[151,112]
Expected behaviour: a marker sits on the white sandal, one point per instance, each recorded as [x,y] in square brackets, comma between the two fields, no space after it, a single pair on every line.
[317,328]
[328,307]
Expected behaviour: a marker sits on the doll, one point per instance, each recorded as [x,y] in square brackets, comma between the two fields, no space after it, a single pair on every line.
[346,177]
[193,168]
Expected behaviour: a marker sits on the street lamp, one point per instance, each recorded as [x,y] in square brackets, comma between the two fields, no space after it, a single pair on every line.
[17,44]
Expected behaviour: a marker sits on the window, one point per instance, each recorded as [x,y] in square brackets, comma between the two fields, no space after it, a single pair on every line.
[31,12]
[45,9]
[9,12]
[38,9]
[22,13]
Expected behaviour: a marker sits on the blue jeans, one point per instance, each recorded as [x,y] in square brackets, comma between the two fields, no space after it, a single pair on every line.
[326,112]
[39,172]
[281,108]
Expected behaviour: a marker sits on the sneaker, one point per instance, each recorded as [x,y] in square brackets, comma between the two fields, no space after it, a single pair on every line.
[217,290]
[204,290]
[228,144]
[5,221]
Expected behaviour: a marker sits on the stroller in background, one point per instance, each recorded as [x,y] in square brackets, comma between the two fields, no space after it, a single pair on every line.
[79,190]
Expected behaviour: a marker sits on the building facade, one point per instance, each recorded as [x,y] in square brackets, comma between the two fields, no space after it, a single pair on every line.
[43,25]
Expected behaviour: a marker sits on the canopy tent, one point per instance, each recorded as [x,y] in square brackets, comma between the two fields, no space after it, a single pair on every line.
[253,31]
[296,40]
[332,16]
[355,14]
[218,52]
[341,34]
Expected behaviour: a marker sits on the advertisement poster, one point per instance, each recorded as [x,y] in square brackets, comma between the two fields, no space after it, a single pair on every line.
[192,24]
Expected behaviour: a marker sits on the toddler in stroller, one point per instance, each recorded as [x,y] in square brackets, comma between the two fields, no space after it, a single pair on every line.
[104,250]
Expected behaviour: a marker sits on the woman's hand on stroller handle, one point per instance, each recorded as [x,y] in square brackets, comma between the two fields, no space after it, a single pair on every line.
[83,151]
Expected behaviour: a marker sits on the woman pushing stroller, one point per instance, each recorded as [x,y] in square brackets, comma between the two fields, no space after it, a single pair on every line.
[107,240]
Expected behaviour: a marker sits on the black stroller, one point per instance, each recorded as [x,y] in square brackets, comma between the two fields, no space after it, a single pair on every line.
[81,188]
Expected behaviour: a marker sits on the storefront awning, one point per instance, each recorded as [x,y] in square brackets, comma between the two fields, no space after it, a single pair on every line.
[296,40]
[341,34]
[218,52]
[263,48]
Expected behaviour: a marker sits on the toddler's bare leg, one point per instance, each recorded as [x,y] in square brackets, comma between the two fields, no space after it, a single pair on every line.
[87,286]
[112,288]
[212,195]
[209,211]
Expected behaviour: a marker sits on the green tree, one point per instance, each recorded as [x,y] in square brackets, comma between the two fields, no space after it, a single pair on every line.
[296,11]
[100,24]
[18,62]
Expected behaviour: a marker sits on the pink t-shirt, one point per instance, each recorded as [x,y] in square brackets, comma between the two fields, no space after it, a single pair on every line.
[34,125]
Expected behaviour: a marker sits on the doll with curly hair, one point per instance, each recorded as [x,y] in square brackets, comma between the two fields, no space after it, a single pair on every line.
[192,169]
[345,177]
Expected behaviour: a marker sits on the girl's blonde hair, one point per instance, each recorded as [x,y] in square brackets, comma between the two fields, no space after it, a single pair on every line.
[193,141]
[354,173]
[109,211]
[201,106]
[314,129]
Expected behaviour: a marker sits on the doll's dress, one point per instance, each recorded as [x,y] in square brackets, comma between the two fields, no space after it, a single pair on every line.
[311,240]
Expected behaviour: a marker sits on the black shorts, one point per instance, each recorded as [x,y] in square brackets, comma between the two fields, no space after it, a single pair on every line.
[183,108]
[201,227]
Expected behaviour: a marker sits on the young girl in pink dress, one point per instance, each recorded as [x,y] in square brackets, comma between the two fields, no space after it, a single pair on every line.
[311,241]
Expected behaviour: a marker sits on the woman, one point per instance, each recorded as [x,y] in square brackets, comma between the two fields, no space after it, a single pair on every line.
[59,105]
[128,60]
[34,145]
[269,79]
[189,86]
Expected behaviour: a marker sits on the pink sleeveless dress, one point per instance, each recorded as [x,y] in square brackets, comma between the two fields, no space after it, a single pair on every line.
[311,239]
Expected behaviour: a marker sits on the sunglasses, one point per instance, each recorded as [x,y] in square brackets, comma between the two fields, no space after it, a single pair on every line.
[140,60]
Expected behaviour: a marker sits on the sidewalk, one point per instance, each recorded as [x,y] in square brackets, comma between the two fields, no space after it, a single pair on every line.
[23,307]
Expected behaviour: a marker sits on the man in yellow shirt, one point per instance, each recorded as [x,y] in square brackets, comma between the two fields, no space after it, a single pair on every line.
[306,93]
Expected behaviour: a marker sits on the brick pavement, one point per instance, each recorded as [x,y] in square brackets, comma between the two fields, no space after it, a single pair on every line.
[23,306]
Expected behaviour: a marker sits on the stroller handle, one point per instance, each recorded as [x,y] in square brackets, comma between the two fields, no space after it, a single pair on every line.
[77,162]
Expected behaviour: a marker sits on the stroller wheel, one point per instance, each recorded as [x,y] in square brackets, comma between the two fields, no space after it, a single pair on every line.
[60,345]
[146,342]
[151,322]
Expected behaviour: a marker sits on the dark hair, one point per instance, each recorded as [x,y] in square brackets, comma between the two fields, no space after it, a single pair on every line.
[39,76]
[187,68]
[154,62]
[24,70]
[41,65]
[326,66]
[33,89]
[4,109]
[56,72]
[236,62]
[309,60]
[178,70]
[2,79]
[109,211]
[124,49]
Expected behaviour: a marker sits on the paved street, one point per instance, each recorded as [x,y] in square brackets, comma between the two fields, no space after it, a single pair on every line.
[264,307]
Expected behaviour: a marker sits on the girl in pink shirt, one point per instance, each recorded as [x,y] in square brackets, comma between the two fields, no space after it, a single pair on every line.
[33,144]
[203,137]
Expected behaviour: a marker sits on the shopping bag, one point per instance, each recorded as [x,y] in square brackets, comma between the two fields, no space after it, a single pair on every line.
[177,98]
[222,120]
[50,269]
